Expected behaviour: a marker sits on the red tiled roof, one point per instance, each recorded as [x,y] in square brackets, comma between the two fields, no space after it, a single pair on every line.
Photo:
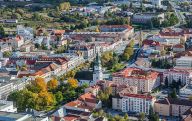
[116,26]
[137,73]
[59,32]
[70,118]
[151,43]
[178,46]
[143,96]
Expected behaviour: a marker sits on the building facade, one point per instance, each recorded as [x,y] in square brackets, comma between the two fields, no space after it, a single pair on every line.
[144,80]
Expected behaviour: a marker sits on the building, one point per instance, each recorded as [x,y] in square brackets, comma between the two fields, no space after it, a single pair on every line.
[25,32]
[178,48]
[122,31]
[10,116]
[7,106]
[184,62]
[88,51]
[176,74]
[144,80]
[187,116]
[182,34]
[146,18]
[172,107]
[185,92]
[86,103]
[97,72]
[132,102]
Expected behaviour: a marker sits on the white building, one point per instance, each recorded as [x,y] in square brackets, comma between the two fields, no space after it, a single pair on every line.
[184,62]
[7,106]
[184,75]
[134,102]
[26,32]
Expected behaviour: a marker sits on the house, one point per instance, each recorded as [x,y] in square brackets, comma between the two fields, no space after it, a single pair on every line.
[172,107]
[86,103]
[178,48]
[144,80]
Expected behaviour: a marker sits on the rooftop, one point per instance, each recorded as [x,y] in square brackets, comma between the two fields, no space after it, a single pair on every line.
[137,73]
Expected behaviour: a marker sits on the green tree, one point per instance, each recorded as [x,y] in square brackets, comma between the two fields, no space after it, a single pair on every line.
[173,93]
[59,97]
[166,81]
[141,116]
[7,54]
[2,31]
[126,117]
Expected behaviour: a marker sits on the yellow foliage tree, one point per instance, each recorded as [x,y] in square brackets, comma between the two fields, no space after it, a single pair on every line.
[40,83]
[52,84]
[73,82]
[65,6]
[44,100]
[97,29]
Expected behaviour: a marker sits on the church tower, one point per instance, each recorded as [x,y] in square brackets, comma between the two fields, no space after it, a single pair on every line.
[97,71]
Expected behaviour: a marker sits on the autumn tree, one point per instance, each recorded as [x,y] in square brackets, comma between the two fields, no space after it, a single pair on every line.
[97,29]
[65,6]
[44,100]
[52,84]
[40,84]
[72,82]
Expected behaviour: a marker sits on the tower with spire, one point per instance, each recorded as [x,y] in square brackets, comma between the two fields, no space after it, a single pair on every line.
[97,70]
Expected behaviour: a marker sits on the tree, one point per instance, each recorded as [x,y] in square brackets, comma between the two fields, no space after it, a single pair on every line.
[40,84]
[166,81]
[52,84]
[174,93]
[2,32]
[7,54]
[124,7]
[141,116]
[59,97]
[44,100]
[72,82]
[153,116]
[65,6]
[97,29]
[126,117]
[190,97]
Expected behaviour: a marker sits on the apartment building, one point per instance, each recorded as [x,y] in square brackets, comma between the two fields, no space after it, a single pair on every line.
[184,62]
[88,51]
[145,18]
[132,102]
[172,107]
[176,74]
[144,80]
